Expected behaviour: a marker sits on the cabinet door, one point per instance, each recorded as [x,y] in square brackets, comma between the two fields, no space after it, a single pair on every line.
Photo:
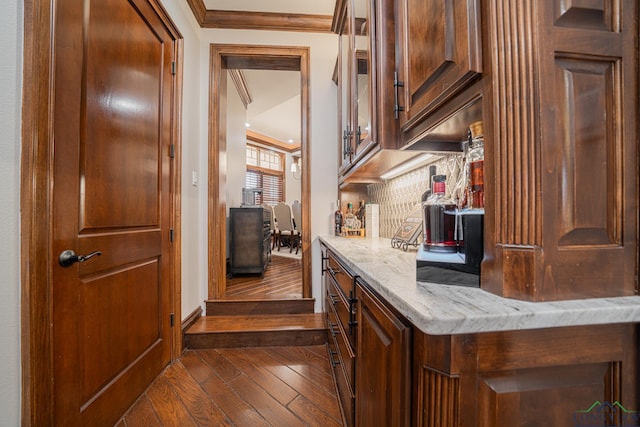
[362,90]
[440,52]
[347,145]
[383,368]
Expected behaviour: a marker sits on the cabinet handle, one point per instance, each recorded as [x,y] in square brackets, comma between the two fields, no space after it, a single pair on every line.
[324,264]
[346,147]
[396,84]
[332,359]
[332,327]
[334,298]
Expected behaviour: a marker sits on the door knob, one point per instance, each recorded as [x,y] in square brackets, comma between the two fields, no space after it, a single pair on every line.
[68,258]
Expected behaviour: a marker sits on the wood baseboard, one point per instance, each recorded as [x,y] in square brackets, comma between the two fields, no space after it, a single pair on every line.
[189,321]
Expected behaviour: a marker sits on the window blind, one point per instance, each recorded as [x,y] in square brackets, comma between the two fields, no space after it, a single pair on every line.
[272,185]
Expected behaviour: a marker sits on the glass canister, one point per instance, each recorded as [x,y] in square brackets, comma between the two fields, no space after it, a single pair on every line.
[475,161]
[439,218]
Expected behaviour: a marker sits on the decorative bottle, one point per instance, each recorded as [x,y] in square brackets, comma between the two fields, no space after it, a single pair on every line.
[475,160]
[338,220]
[350,218]
[439,219]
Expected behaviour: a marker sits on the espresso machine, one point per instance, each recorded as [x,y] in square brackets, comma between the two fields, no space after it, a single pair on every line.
[452,247]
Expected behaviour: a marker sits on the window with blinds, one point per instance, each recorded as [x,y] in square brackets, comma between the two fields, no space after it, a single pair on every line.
[265,170]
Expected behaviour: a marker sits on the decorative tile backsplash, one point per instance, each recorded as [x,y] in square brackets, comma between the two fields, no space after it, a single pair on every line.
[399,195]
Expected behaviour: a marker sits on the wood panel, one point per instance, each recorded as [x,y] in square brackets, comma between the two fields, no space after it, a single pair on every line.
[523,397]
[438,395]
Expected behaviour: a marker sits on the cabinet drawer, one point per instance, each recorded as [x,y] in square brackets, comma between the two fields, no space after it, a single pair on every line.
[343,278]
[346,355]
[344,309]
[344,383]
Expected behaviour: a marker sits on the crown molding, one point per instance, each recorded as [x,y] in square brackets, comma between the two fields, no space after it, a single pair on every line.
[272,142]
[245,20]
[237,76]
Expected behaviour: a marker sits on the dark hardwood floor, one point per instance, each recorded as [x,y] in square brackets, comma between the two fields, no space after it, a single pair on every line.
[269,386]
[282,279]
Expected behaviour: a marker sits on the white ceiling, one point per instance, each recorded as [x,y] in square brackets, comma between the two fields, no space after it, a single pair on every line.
[275,108]
[312,7]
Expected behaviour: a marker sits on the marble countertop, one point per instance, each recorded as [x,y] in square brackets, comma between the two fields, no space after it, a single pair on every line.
[443,309]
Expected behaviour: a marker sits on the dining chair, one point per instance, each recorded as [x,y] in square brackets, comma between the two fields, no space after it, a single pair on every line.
[285,224]
[296,209]
[273,226]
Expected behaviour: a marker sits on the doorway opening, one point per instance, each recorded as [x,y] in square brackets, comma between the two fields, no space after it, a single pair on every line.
[250,57]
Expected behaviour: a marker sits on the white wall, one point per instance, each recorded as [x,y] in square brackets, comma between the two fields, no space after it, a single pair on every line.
[10,124]
[194,221]
[236,146]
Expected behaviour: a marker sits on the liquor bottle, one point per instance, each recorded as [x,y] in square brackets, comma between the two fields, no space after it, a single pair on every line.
[439,219]
[338,220]
[475,160]
[361,212]
[350,218]
[426,194]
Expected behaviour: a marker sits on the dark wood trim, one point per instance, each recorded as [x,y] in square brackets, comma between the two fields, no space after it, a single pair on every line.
[217,206]
[239,81]
[305,117]
[271,142]
[176,198]
[244,20]
[199,10]
[35,216]
[220,56]
[247,20]
[339,16]
[36,206]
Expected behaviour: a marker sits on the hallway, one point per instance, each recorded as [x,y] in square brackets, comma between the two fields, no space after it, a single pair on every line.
[278,386]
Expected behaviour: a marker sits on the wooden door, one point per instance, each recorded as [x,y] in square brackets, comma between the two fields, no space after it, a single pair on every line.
[112,130]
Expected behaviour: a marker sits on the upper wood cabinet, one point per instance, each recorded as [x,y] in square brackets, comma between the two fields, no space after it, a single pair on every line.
[439,52]
[367,52]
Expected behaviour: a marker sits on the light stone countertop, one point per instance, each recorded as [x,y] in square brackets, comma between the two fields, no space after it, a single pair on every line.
[443,309]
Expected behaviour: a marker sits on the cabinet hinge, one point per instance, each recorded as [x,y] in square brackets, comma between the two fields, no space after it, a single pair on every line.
[172,318]
[172,151]
[171,235]
[173,67]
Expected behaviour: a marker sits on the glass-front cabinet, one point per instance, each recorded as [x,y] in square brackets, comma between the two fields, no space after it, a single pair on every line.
[354,79]
[366,66]
[344,54]
[362,84]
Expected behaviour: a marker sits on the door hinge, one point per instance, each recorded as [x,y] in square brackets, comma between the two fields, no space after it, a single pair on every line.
[173,67]
[172,151]
[171,235]
[172,319]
